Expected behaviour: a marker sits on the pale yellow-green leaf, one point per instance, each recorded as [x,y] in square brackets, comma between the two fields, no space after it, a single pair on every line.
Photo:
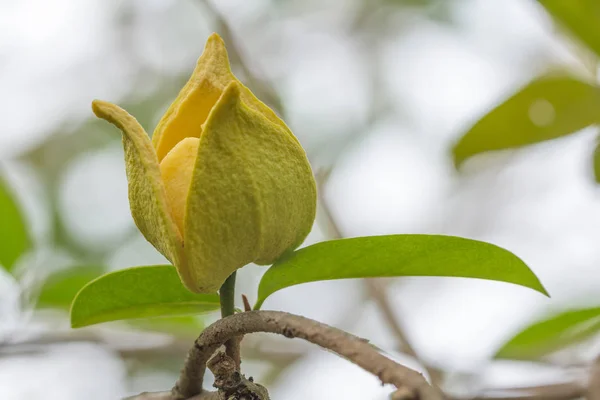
[547,108]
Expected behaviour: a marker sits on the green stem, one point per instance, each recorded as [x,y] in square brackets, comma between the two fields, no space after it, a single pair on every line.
[227,296]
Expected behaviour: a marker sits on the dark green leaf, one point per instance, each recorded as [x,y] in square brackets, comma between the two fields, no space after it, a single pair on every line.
[581,17]
[547,108]
[139,292]
[552,334]
[60,289]
[14,237]
[396,255]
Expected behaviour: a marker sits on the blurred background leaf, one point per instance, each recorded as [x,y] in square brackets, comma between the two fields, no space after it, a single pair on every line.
[581,17]
[551,334]
[545,109]
[14,236]
[596,161]
[60,288]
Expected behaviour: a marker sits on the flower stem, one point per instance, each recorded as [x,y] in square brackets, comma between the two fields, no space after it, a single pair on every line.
[227,296]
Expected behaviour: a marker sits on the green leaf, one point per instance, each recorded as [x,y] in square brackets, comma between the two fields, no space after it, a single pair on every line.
[396,255]
[547,108]
[60,289]
[186,325]
[581,17]
[14,237]
[551,334]
[139,292]
[596,161]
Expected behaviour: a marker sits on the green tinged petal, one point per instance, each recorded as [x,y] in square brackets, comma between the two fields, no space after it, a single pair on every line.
[252,196]
[147,197]
[189,111]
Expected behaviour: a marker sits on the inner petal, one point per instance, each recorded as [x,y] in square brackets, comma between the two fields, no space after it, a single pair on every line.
[186,116]
[176,169]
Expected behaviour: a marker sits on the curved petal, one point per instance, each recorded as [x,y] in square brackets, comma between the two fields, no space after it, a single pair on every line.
[189,111]
[252,196]
[147,197]
[176,170]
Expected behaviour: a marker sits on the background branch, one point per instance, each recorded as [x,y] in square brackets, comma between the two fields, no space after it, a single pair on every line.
[593,391]
[261,87]
[375,289]
[561,391]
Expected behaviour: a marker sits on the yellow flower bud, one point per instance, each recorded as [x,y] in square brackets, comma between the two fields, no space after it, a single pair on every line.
[223,183]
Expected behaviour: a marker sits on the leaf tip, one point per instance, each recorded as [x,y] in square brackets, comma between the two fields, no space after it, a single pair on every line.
[75,323]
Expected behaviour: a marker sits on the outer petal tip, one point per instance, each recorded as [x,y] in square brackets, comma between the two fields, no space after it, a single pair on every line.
[147,197]
[102,108]
[231,94]
[213,39]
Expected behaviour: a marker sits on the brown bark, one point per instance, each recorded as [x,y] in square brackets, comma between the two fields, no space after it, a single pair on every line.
[354,349]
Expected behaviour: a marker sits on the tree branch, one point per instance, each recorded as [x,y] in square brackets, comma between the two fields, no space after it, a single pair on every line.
[356,350]
[376,291]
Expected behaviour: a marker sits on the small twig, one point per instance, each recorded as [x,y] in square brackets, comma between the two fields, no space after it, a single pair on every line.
[247,306]
[376,291]
[379,295]
[260,86]
[348,346]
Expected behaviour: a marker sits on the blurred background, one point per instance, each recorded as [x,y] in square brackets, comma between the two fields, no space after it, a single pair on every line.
[377,92]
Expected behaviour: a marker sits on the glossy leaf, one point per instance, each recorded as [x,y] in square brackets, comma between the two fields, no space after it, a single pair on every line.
[547,108]
[397,255]
[60,289]
[139,292]
[581,17]
[14,237]
[551,334]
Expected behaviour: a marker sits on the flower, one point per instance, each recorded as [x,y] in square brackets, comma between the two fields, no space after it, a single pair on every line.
[224,181]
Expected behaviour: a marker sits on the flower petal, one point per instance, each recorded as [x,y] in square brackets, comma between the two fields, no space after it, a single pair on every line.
[189,111]
[147,197]
[176,170]
[252,196]
[185,116]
